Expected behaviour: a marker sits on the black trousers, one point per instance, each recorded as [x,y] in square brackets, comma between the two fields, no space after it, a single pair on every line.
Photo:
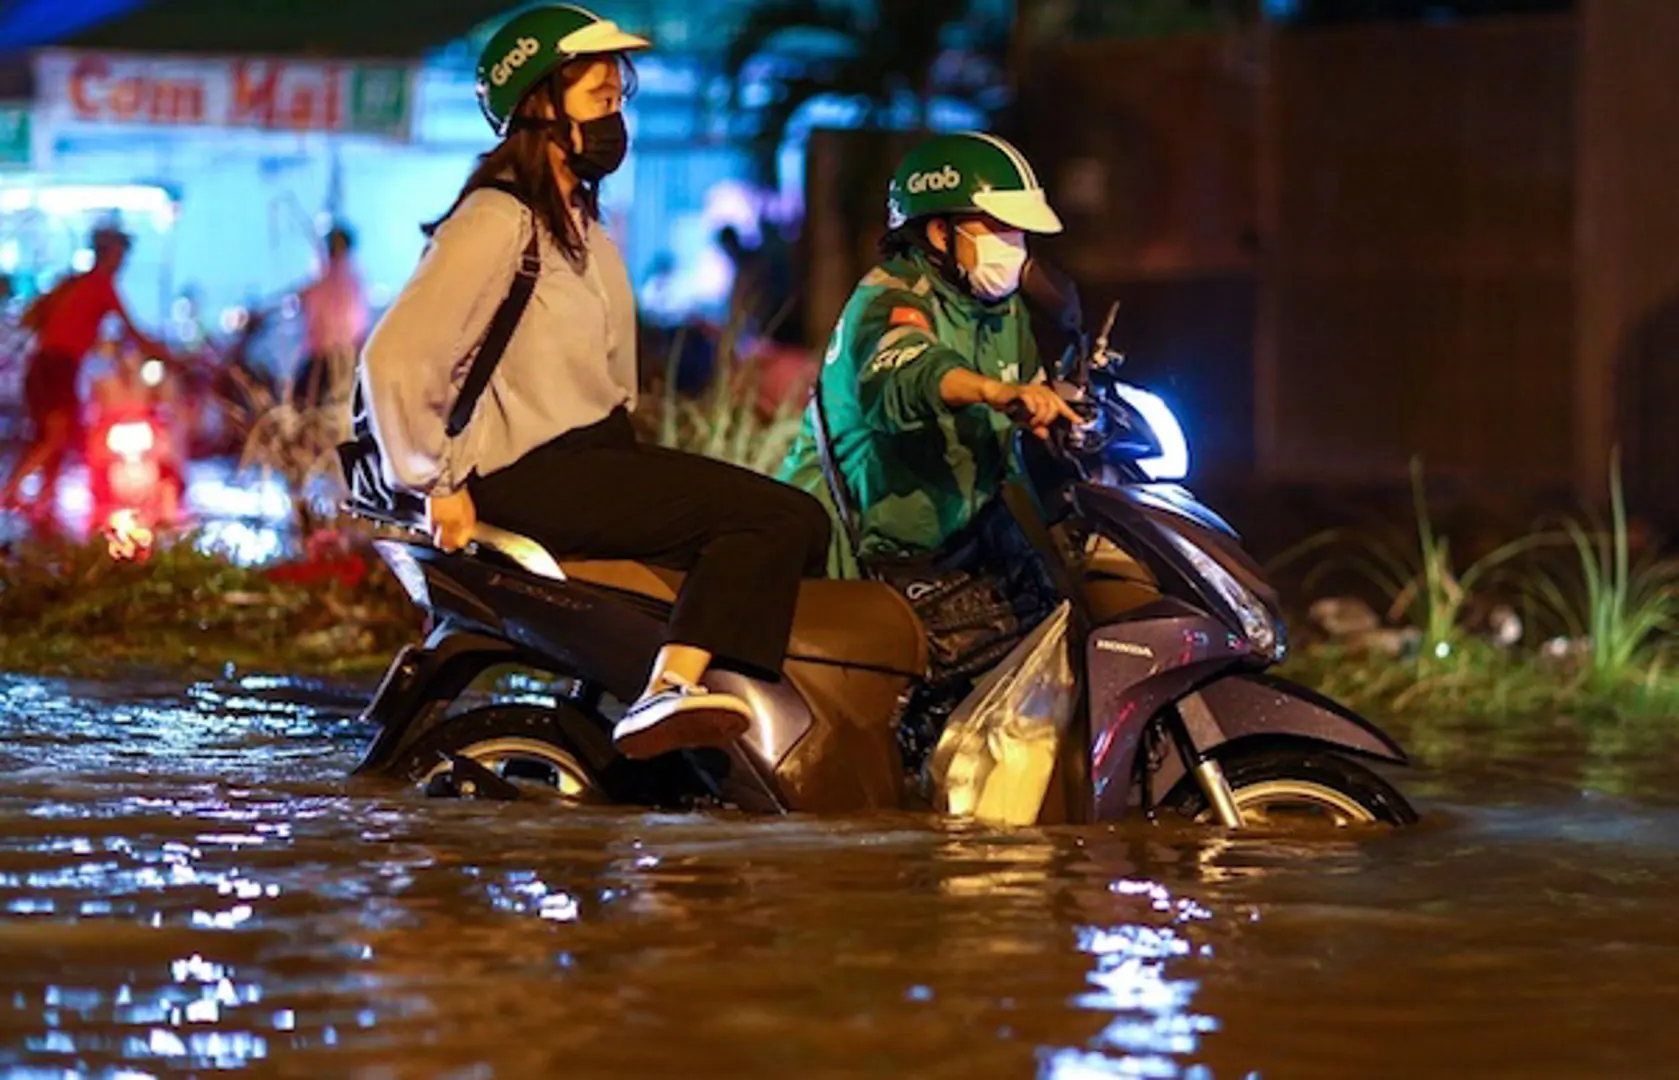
[743,540]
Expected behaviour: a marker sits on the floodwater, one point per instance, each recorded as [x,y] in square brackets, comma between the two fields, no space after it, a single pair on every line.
[188,884]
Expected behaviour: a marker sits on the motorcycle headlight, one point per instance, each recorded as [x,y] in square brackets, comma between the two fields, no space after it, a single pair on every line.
[130,439]
[1173,460]
[1257,623]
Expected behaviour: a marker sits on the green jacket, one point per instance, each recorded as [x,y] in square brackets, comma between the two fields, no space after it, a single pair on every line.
[917,471]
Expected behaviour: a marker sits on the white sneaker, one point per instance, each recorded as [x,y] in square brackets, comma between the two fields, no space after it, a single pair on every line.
[680,717]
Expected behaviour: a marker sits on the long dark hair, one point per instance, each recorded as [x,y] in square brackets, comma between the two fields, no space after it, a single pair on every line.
[522,158]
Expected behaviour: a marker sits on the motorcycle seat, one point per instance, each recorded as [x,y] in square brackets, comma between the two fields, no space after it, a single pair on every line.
[846,623]
[858,624]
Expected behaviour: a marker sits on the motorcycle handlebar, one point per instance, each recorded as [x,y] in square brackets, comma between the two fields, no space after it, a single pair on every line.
[1018,413]
[1061,435]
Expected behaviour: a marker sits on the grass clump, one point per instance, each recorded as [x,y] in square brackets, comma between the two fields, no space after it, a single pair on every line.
[70,608]
[1595,640]
[1415,572]
[1619,609]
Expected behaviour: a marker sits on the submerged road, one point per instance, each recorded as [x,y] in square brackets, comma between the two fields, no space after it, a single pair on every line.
[188,882]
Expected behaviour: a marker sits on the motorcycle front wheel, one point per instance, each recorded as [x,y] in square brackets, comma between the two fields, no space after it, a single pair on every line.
[1275,786]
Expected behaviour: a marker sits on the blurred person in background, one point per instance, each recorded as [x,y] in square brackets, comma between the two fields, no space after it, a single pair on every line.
[661,326]
[749,291]
[335,316]
[762,318]
[14,346]
[66,322]
[661,304]
[14,342]
[12,333]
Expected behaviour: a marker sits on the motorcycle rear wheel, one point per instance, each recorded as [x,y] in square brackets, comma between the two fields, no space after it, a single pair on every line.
[526,745]
[1275,786]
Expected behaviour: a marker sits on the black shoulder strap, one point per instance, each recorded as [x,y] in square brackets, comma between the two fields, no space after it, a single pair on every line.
[502,324]
[831,474]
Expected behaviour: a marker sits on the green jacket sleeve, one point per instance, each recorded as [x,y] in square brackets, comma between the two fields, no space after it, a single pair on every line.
[900,363]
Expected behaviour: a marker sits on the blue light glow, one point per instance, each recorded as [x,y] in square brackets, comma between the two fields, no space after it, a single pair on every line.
[1173,460]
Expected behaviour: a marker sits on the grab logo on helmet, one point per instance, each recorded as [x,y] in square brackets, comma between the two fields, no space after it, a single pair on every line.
[944,179]
[522,50]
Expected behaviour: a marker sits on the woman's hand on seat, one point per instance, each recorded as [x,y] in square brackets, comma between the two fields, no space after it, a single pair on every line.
[451,519]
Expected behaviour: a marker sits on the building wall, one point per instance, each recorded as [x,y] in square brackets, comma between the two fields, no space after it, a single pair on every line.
[1419,268]
[1627,243]
[1149,151]
[1340,248]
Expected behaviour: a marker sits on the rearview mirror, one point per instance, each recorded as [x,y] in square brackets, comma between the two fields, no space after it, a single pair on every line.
[1052,296]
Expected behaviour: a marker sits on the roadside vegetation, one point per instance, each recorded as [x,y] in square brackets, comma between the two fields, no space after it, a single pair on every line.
[1573,619]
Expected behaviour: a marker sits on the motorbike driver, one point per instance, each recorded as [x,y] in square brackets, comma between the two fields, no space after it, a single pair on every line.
[67,323]
[930,355]
[907,439]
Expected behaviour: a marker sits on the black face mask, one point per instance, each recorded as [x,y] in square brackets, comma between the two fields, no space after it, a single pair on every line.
[605,143]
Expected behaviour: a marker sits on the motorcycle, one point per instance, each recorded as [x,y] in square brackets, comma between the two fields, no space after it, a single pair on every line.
[1171,634]
[135,480]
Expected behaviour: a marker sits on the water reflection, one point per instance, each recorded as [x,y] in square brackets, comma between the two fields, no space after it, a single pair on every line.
[523,892]
[1138,978]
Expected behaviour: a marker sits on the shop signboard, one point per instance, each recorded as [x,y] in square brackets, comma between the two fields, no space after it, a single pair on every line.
[350,97]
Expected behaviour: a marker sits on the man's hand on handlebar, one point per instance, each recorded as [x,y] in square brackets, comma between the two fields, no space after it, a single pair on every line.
[1034,405]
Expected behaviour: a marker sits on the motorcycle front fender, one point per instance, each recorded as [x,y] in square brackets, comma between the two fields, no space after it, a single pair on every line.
[1117,733]
[1253,705]
[1135,668]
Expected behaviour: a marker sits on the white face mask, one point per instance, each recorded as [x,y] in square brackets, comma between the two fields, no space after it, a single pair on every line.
[999,259]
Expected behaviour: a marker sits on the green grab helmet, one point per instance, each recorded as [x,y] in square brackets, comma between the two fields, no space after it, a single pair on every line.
[532,45]
[969,173]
